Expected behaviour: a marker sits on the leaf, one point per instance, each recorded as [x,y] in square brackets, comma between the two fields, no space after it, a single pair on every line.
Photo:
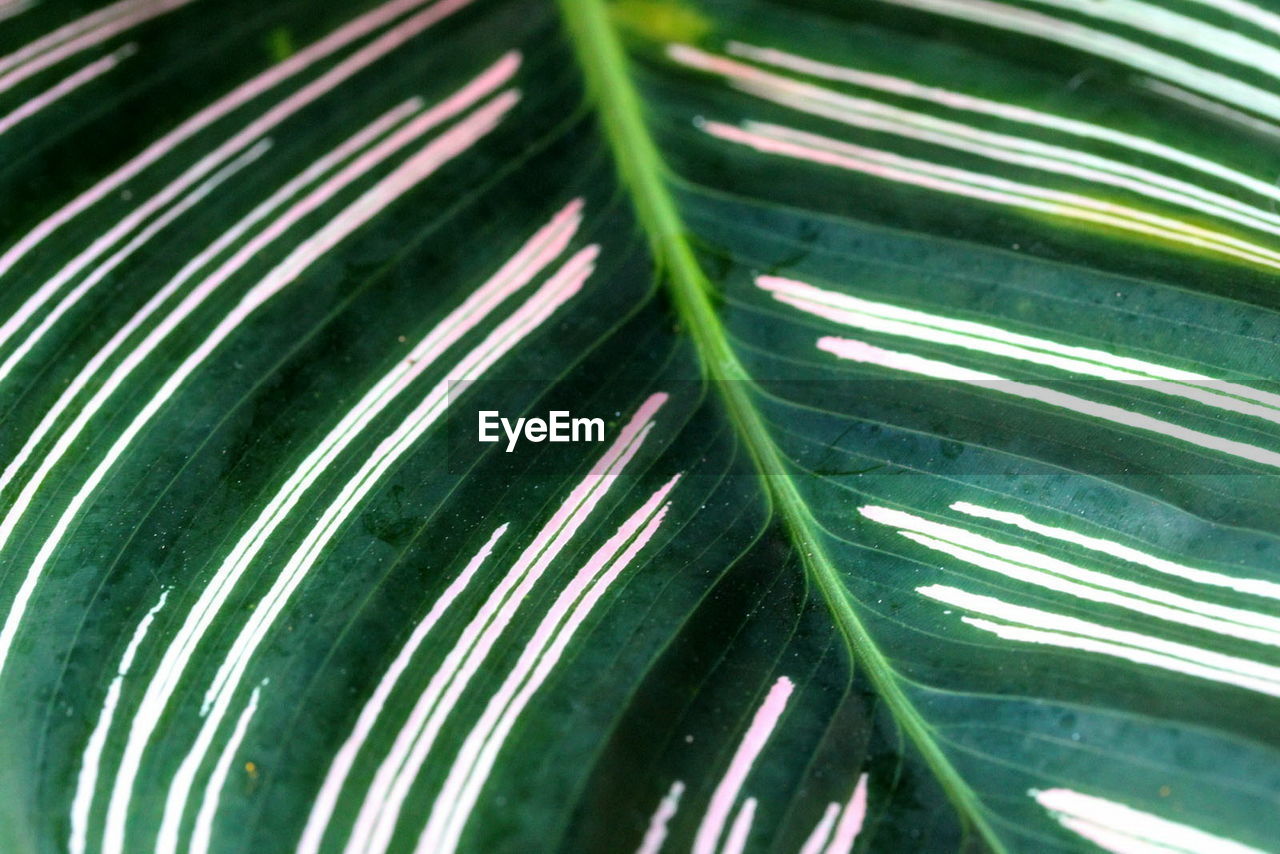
[921,496]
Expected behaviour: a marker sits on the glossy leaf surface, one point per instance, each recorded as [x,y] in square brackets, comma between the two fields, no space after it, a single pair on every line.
[932,343]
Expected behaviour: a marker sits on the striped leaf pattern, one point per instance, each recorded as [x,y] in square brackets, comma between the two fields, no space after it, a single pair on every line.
[933,345]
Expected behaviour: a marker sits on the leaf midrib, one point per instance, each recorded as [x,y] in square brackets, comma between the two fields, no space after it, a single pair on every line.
[609,86]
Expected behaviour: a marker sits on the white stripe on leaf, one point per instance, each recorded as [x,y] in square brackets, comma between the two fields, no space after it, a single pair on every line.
[740,830]
[851,819]
[1101,43]
[726,792]
[1196,33]
[103,270]
[1034,154]
[859,351]
[453,805]
[788,142]
[207,286]
[954,100]
[828,837]
[10,8]
[69,438]
[994,341]
[1250,586]
[1125,830]
[87,781]
[1032,625]
[323,805]
[232,147]
[816,841]
[1049,581]
[38,55]
[563,285]
[403,179]
[655,834]
[203,830]
[380,808]
[65,87]
[1064,577]
[62,34]
[539,251]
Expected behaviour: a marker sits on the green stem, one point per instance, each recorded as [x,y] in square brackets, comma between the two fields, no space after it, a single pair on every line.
[609,84]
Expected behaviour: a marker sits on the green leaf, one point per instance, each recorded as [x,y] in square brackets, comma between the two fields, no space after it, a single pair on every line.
[921,495]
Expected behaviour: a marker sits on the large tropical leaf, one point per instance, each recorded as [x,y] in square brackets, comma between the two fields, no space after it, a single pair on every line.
[931,342]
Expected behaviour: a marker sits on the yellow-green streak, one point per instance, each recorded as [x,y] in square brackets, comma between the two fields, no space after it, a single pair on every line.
[609,84]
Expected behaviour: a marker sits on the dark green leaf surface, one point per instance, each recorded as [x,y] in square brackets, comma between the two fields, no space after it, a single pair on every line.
[934,343]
